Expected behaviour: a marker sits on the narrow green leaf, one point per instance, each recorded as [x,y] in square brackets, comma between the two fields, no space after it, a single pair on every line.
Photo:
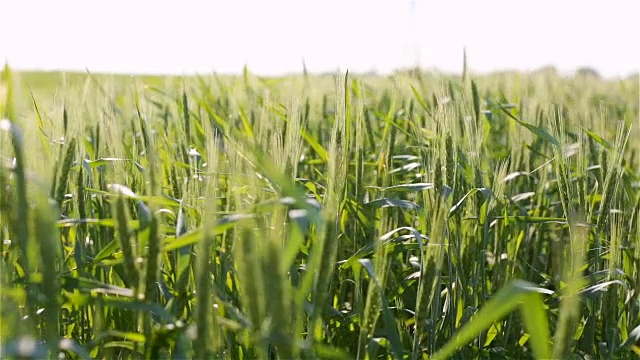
[541,133]
[385,202]
[518,294]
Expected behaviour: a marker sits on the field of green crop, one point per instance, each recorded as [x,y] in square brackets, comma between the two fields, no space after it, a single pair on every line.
[412,216]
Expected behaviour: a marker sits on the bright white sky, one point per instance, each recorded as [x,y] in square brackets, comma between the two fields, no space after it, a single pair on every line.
[273,36]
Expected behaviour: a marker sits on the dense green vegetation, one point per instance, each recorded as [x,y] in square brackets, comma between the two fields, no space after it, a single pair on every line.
[411,216]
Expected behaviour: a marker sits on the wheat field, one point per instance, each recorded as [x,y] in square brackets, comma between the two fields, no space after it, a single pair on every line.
[339,216]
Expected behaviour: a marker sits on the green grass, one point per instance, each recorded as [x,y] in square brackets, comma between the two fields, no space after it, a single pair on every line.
[412,216]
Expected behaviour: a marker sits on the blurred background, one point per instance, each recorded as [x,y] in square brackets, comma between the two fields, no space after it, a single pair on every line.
[273,37]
